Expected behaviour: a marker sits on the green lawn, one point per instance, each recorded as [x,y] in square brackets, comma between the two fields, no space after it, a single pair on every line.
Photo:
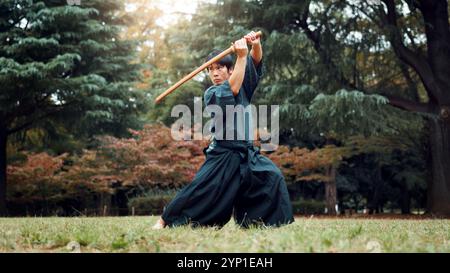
[134,234]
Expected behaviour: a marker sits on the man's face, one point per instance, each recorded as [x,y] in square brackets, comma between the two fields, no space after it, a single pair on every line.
[219,73]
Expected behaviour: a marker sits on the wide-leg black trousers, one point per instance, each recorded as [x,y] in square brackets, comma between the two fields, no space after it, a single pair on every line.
[235,179]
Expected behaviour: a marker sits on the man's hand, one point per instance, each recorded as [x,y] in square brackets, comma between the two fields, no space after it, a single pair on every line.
[240,48]
[256,51]
[237,77]
[252,38]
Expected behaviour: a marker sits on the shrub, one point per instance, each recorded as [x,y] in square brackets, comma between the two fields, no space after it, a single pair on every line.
[46,184]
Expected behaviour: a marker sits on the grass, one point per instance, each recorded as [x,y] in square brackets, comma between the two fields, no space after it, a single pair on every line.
[134,234]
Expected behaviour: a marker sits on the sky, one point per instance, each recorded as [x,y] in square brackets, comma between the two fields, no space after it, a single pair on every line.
[172,9]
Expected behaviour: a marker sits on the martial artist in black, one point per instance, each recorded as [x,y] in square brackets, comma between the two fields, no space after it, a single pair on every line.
[235,179]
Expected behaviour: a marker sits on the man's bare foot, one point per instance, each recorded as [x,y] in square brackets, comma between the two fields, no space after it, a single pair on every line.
[159,224]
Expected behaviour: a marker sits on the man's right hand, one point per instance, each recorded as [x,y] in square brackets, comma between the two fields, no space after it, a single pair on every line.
[240,48]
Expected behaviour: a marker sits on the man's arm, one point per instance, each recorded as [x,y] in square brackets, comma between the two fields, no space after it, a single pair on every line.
[256,51]
[237,77]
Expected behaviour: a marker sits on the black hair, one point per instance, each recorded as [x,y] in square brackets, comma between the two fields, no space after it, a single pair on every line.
[225,61]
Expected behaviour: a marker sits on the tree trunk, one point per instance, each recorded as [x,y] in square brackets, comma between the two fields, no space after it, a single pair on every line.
[438,195]
[331,191]
[405,201]
[3,138]
[435,14]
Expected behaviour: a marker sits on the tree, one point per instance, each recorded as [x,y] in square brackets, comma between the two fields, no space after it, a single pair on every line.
[431,64]
[65,63]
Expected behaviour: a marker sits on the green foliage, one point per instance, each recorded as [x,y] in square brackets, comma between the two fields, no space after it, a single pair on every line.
[349,113]
[342,114]
[67,63]
[184,95]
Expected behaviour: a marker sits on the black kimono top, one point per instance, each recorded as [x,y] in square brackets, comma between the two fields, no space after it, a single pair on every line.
[221,95]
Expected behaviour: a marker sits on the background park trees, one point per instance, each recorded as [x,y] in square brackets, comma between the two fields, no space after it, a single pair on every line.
[361,86]
[64,71]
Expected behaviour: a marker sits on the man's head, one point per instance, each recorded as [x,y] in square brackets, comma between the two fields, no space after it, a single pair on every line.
[219,71]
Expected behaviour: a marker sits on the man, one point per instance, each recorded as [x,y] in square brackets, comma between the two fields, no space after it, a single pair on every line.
[235,178]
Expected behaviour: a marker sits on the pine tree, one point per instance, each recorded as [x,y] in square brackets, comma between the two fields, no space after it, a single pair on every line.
[65,61]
